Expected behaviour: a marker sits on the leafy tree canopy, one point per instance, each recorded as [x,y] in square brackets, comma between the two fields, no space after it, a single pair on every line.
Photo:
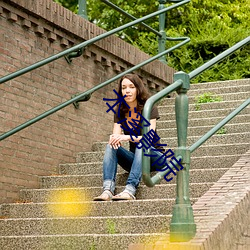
[213,26]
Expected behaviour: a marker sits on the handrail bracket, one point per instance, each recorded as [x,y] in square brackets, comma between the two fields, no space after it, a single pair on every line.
[82,99]
[73,54]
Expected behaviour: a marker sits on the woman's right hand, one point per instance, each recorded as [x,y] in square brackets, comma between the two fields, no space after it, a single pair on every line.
[116,139]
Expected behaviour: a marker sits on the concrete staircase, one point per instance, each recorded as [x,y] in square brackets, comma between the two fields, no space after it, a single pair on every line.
[61,215]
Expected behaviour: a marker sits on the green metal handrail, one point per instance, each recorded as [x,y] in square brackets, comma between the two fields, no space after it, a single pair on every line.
[82,45]
[86,95]
[182,227]
[211,132]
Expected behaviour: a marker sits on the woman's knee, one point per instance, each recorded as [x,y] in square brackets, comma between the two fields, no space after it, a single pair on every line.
[109,148]
[138,151]
[109,151]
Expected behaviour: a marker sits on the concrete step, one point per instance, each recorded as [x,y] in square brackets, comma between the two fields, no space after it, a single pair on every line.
[192,99]
[204,121]
[201,130]
[213,161]
[216,91]
[203,162]
[81,168]
[219,139]
[159,191]
[220,84]
[86,225]
[76,242]
[92,208]
[223,96]
[196,114]
[204,106]
[219,150]
[219,89]
[208,150]
[214,140]
[69,181]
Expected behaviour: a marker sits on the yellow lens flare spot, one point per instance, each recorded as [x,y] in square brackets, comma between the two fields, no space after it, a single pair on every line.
[150,241]
[165,243]
[68,203]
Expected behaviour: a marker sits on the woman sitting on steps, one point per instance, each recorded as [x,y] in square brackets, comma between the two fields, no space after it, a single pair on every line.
[130,160]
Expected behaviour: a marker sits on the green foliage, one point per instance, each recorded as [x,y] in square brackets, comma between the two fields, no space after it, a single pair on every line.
[213,26]
[92,247]
[222,131]
[111,226]
[205,98]
[69,4]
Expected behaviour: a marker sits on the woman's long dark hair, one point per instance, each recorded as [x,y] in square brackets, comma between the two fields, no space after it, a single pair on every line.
[141,93]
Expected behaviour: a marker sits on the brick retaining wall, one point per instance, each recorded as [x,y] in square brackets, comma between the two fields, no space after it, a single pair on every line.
[29,32]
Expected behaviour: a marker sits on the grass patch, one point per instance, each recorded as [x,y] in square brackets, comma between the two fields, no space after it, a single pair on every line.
[222,131]
[93,247]
[206,98]
[111,227]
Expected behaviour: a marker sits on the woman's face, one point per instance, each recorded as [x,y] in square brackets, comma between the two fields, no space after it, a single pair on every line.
[129,89]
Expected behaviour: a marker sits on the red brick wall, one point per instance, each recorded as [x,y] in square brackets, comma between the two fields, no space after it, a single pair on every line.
[29,32]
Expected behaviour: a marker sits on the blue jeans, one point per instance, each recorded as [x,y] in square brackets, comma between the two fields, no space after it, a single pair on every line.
[129,161]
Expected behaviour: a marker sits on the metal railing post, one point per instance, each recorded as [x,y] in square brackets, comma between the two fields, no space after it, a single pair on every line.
[115,7]
[163,37]
[82,9]
[182,227]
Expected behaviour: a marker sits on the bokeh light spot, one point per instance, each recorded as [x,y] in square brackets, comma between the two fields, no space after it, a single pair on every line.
[68,202]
